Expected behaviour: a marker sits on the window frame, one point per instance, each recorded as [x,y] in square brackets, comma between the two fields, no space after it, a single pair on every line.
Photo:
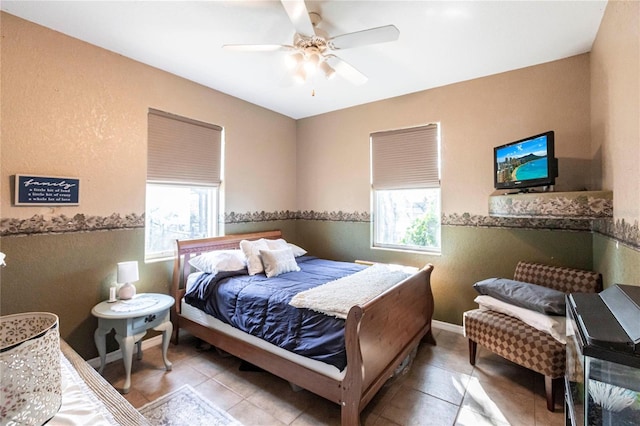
[429,181]
[177,147]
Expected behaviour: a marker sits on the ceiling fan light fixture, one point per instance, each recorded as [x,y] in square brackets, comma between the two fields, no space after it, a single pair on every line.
[311,62]
[293,61]
[328,71]
[314,58]
[309,68]
[300,76]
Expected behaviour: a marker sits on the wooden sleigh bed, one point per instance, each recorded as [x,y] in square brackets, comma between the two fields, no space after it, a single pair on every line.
[379,335]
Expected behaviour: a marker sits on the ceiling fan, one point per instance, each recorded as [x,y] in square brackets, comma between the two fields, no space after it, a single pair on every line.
[313,48]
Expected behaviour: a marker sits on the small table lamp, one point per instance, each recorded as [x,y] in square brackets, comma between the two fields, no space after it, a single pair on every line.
[127,274]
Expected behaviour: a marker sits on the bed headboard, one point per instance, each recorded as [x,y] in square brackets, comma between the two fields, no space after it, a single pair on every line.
[189,248]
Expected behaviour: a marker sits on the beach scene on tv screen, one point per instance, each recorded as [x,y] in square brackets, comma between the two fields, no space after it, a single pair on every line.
[523,161]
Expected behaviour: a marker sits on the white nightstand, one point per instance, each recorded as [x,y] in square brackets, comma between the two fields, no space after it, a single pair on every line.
[131,319]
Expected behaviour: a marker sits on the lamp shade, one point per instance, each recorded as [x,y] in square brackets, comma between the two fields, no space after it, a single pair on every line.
[31,391]
[127,272]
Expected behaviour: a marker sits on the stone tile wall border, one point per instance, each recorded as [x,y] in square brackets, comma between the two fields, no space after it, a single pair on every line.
[570,205]
[40,224]
[624,232]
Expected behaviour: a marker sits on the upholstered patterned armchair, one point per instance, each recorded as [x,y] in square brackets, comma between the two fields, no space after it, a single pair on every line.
[518,342]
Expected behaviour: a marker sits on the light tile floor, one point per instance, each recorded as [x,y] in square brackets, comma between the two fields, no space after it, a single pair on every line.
[440,388]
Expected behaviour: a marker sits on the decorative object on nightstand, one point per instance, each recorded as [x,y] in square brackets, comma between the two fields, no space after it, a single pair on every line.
[131,319]
[127,274]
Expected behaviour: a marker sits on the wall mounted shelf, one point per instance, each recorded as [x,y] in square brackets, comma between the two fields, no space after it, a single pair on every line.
[555,205]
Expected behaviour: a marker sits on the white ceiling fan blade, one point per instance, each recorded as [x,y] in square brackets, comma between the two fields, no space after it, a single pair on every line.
[346,71]
[257,47]
[364,37]
[299,16]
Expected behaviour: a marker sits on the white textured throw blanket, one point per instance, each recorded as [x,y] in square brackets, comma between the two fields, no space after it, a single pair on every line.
[335,298]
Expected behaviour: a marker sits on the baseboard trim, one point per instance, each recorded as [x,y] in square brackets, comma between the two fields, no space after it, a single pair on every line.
[454,328]
[116,355]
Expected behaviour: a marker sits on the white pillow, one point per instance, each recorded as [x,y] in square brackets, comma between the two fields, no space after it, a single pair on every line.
[550,324]
[297,251]
[280,244]
[219,260]
[251,250]
[278,262]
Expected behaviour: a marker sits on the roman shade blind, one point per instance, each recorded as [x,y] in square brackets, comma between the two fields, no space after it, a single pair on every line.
[405,158]
[182,150]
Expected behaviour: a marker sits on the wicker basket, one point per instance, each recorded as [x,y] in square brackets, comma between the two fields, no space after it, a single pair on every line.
[31,391]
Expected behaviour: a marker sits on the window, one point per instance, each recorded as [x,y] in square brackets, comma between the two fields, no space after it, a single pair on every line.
[405,181]
[184,174]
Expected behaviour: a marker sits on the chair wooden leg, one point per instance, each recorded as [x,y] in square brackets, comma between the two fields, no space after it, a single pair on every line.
[473,347]
[550,391]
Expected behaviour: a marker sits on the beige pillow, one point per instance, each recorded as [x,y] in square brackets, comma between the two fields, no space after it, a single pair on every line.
[278,244]
[251,250]
[278,262]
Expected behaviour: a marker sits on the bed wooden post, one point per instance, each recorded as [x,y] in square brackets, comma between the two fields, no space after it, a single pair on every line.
[174,291]
[428,338]
[352,383]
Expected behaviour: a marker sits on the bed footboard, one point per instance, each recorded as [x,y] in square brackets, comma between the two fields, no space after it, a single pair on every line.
[380,335]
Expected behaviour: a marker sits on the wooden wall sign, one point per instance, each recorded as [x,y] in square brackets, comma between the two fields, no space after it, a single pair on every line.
[46,191]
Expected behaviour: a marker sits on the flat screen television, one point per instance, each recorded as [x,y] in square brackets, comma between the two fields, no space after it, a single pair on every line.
[526,163]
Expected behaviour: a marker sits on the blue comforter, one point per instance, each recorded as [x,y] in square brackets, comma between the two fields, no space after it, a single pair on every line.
[260,306]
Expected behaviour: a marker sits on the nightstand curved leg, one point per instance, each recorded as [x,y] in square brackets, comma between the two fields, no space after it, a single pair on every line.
[100,340]
[167,330]
[126,346]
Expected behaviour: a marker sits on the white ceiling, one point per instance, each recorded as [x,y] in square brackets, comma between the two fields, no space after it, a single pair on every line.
[441,42]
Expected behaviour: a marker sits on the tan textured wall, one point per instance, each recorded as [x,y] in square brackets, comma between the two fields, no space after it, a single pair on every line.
[615,100]
[617,263]
[615,130]
[73,109]
[475,116]
[68,274]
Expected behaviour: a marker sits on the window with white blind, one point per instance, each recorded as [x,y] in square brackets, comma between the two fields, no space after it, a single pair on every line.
[184,174]
[405,182]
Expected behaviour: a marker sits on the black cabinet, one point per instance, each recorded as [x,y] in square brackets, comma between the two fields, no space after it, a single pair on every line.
[602,381]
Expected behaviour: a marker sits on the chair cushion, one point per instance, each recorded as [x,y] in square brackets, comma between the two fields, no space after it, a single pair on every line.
[516,341]
[566,280]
